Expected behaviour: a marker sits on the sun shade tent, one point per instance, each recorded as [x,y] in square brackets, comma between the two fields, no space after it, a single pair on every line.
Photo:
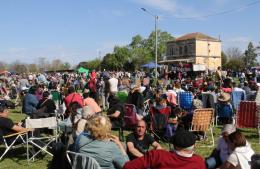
[150,65]
[83,70]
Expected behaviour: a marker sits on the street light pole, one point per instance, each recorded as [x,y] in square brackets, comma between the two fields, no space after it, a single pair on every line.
[156,45]
[156,38]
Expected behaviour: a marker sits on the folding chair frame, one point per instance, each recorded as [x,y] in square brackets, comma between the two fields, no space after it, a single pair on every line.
[73,165]
[146,106]
[249,120]
[188,96]
[203,122]
[48,140]
[8,147]
[152,114]
[217,116]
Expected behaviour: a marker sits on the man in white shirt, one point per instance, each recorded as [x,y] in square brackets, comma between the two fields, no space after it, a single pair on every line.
[113,84]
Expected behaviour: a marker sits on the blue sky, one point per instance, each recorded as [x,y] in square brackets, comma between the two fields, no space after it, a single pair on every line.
[80,30]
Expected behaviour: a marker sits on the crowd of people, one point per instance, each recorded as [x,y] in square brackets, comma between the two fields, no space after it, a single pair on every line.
[93,104]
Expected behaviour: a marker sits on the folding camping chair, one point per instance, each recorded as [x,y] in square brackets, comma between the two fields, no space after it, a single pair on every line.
[130,116]
[159,121]
[202,120]
[147,106]
[81,161]
[185,100]
[224,111]
[122,96]
[41,142]
[15,137]
[248,115]
[56,97]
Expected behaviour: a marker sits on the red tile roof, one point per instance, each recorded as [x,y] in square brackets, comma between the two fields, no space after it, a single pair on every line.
[197,36]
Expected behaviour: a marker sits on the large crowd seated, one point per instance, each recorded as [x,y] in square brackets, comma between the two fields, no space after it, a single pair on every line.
[90,109]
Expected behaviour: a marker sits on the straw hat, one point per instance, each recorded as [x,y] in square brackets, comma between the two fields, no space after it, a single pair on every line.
[224,97]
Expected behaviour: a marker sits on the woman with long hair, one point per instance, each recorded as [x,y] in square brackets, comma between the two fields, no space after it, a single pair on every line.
[241,152]
[98,143]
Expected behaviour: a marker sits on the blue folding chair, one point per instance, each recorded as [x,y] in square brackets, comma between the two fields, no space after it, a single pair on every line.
[185,100]
[224,111]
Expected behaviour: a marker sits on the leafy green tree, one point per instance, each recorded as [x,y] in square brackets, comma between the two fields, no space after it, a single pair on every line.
[223,58]
[93,64]
[163,37]
[109,62]
[122,55]
[235,64]
[138,52]
[137,42]
[141,56]
[250,55]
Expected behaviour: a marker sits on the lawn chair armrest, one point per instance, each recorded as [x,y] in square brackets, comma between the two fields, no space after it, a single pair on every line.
[15,134]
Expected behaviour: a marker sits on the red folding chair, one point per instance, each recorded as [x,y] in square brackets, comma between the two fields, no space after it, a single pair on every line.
[130,117]
[159,121]
[248,115]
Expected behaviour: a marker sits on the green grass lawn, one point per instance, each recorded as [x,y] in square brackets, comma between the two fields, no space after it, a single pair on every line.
[16,159]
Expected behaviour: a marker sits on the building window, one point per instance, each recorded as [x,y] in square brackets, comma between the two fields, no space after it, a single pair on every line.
[180,50]
[172,50]
[185,50]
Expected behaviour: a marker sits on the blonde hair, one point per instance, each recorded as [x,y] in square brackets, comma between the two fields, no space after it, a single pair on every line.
[99,127]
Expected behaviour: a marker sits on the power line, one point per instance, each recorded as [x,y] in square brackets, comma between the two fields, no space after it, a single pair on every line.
[217,13]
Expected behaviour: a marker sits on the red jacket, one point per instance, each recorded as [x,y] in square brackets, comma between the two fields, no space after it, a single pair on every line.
[161,159]
[73,97]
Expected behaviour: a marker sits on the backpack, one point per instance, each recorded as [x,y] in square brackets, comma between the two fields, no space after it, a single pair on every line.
[59,159]
[92,85]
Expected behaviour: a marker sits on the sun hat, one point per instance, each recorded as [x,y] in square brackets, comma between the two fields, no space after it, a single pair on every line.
[224,97]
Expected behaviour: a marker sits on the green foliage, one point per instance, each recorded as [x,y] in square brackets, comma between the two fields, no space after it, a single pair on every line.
[109,62]
[223,58]
[138,52]
[122,55]
[235,64]
[250,56]
[234,59]
[163,37]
